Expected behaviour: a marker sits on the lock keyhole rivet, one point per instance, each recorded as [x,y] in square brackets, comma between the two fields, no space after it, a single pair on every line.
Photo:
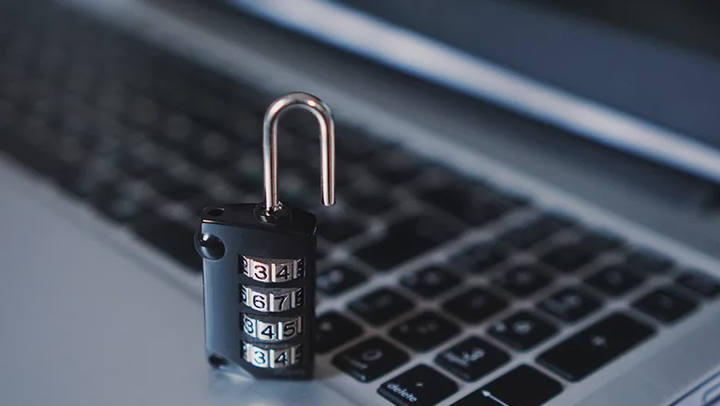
[209,246]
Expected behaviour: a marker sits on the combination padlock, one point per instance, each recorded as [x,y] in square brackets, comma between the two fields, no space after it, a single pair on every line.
[259,267]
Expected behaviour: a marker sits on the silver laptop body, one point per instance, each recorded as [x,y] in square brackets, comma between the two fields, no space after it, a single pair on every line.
[93,315]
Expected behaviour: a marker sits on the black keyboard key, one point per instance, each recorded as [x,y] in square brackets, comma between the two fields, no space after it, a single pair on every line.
[555,221]
[122,207]
[338,228]
[471,359]
[368,360]
[430,282]
[480,258]
[570,304]
[475,305]
[337,279]
[213,153]
[523,280]
[568,258]
[615,280]
[371,205]
[512,199]
[174,188]
[395,166]
[647,262]
[523,386]
[301,194]
[381,306]
[94,183]
[665,304]
[174,239]
[334,330]
[595,346]
[370,199]
[424,331]
[407,239]
[353,147]
[535,232]
[43,161]
[522,331]
[599,242]
[700,283]
[420,385]
[137,167]
[465,203]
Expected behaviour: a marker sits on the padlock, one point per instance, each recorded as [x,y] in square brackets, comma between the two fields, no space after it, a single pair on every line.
[259,267]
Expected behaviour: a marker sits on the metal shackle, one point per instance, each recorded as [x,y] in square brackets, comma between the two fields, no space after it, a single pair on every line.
[327,146]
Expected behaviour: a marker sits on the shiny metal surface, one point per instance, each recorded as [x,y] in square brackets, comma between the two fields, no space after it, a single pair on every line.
[272,270]
[272,331]
[327,146]
[271,300]
[262,357]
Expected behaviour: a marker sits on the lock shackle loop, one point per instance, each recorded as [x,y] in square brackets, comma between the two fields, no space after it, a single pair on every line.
[327,146]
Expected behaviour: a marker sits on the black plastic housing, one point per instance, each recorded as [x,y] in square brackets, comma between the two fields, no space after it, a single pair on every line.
[241,231]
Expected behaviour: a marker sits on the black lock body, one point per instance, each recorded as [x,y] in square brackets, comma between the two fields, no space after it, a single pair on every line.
[259,290]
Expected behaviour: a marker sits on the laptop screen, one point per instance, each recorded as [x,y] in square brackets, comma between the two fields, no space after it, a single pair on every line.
[688,24]
[643,78]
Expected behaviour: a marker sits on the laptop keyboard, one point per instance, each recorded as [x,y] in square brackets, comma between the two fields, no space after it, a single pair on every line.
[413,259]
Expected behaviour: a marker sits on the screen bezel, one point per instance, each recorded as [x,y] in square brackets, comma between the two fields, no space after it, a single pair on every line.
[469,74]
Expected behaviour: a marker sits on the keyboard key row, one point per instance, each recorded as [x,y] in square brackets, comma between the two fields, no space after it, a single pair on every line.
[473,358]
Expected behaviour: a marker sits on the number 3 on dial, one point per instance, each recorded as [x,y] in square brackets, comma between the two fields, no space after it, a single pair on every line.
[272,357]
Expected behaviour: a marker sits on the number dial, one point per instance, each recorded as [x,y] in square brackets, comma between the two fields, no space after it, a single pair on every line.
[272,331]
[271,357]
[271,300]
[271,270]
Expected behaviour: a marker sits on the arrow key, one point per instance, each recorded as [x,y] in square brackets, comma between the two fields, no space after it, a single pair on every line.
[523,385]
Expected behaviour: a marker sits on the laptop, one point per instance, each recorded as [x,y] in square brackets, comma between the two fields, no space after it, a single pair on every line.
[527,208]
